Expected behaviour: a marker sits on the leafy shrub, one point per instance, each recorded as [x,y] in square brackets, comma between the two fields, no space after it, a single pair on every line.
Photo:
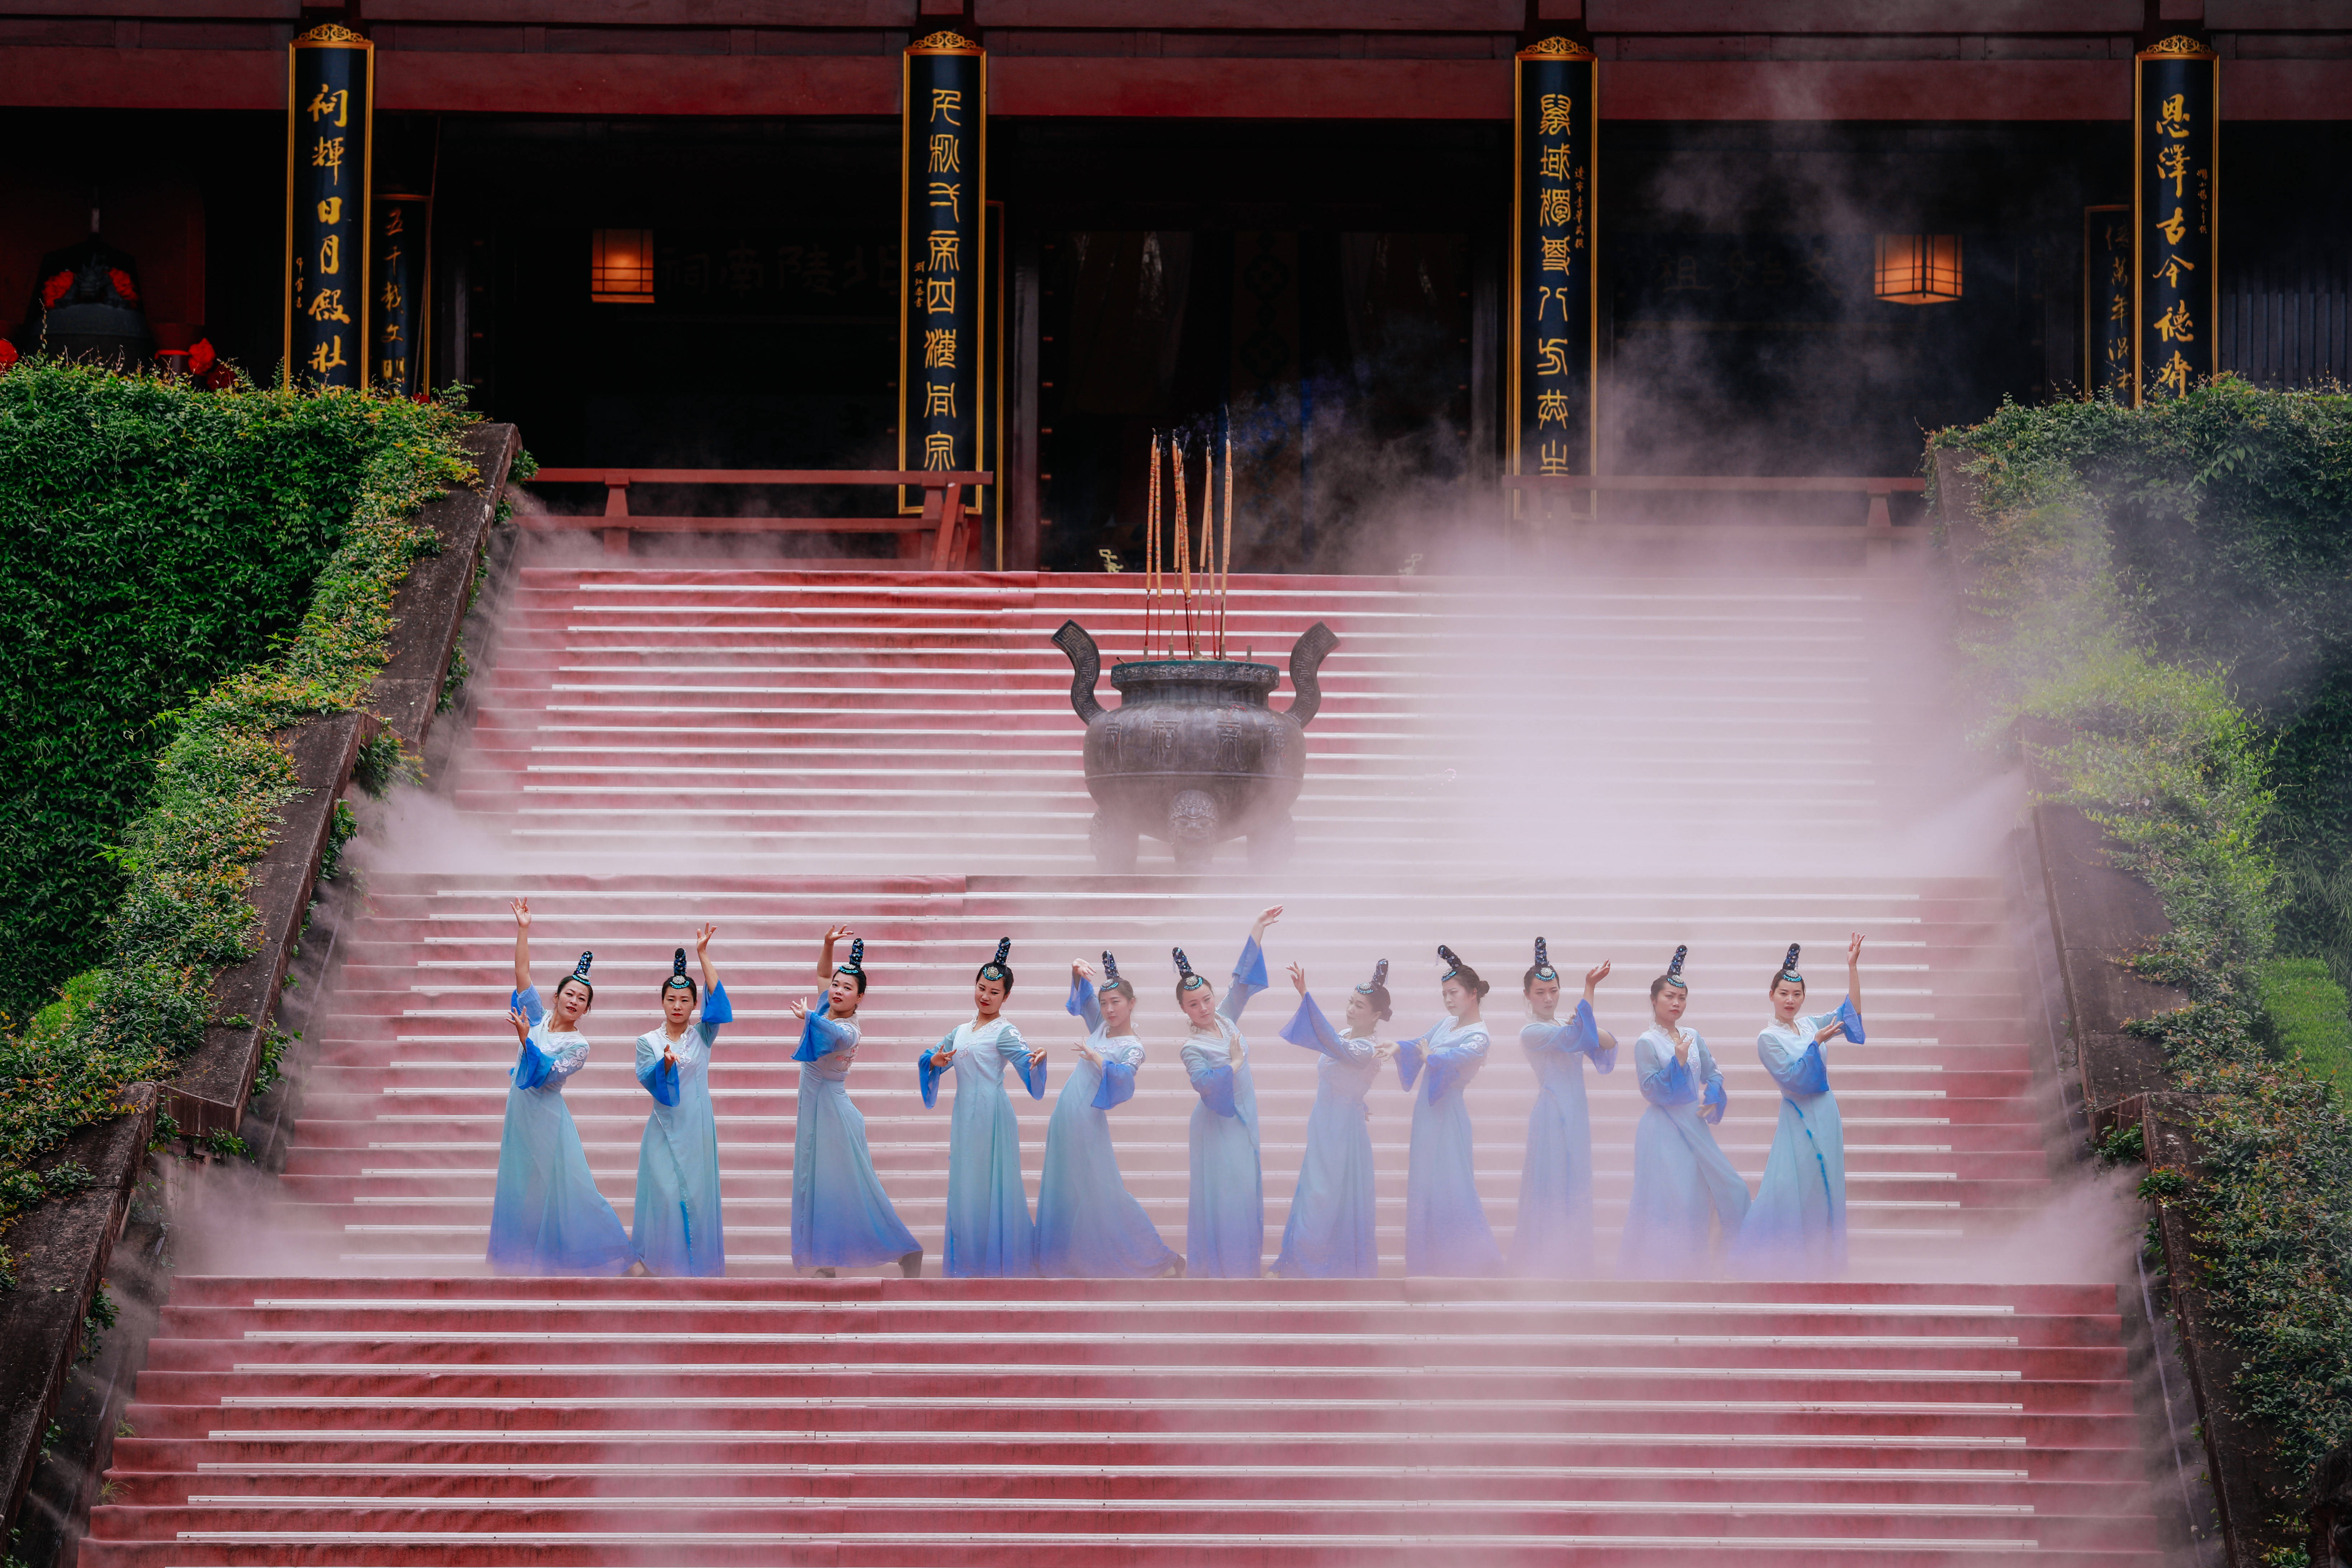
[152,537]
[339,478]
[2169,589]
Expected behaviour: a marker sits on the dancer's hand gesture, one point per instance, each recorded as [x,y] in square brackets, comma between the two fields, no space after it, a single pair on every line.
[521,907]
[702,940]
[799,1008]
[521,1023]
[1266,918]
[1298,978]
[1081,970]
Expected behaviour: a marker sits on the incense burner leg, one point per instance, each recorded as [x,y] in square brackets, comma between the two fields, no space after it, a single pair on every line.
[1271,846]
[1192,828]
[1114,844]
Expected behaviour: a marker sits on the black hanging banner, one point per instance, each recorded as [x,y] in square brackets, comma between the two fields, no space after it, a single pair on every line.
[2107,303]
[2177,293]
[1550,412]
[403,293]
[329,111]
[943,266]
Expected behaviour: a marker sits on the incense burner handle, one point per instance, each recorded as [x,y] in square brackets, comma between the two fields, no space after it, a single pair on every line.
[1307,657]
[1086,667]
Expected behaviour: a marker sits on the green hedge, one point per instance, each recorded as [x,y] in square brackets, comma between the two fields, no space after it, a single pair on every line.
[2172,588]
[152,539]
[156,534]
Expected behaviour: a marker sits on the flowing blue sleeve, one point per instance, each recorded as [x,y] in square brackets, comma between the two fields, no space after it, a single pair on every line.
[1808,1073]
[716,1010]
[929,1073]
[1852,1017]
[1249,978]
[1578,1033]
[1450,1067]
[1119,1085]
[533,1066]
[1672,1084]
[1603,1052]
[528,999]
[821,1035]
[1083,1004]
[659,1077]
[1016,1050]
[1716,1101]
[1214,1083]
[1409,1057]
[1309,1028]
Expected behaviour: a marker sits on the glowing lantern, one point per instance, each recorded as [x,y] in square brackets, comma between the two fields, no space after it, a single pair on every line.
[1917,269]
[621,266]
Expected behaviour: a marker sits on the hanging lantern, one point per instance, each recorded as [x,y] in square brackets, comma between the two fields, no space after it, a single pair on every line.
[621,266]
[1917,269]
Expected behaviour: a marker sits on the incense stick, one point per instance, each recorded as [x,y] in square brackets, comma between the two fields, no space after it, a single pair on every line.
[1226,567]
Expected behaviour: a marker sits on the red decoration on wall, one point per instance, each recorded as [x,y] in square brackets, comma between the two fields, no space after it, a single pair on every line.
[7,353]
[55,290]
[200,356]
[123,285]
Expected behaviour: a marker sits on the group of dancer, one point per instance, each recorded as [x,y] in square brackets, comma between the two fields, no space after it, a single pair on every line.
[1691,1211]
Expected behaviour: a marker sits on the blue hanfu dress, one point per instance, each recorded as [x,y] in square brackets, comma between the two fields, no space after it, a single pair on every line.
[840,1216]
[1796,1226]
[676,1228]
[1329,1234]
[1445,1228]
[1683,1184]
[1224,1212]
[1553,1239]
[990,1233]
[547,1217]
[1089,1226]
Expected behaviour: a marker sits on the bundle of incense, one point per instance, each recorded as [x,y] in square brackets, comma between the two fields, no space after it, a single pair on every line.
[1183,548]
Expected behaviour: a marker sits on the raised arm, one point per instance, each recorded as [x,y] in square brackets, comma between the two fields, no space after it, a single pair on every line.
[1024,1058]
[1083,1004]
[1853,971]
[522,945]
[824,958]
[1666,1078]
[1249,968]
[716,1009]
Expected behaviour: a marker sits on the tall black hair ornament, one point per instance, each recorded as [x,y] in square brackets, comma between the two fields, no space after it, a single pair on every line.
[677,980]
[997,968]
[1675,968]
[856,964]
[1187,980]
[1452,960]
[1110,970]
[1380,978]
[1544,971]
[579,969]
[1789,967]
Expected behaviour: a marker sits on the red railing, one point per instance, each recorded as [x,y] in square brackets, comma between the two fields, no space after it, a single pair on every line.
[1877,528]
[937,531]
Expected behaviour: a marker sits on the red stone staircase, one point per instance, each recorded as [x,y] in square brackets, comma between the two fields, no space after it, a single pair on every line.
[778,750]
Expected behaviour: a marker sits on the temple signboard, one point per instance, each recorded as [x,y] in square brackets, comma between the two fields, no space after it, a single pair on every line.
[1551,414]
[944,278]
[2176,135]
[330,115]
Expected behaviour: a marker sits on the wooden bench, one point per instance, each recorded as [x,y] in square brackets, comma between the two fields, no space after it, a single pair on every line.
[937,537]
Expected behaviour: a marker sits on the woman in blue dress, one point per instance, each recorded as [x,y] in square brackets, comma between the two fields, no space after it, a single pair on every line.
[990,1233]
[1089,1226]
[840,1216]
[676,1230]
[1445,1228]
[1553,1239]
[547,1217]
[1796,1226]
[1688,1199]
[1224,1210]
[1331,1233]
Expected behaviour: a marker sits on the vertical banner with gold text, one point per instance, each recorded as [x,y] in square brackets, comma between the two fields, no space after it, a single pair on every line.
[329,113]
[1551,397]
[2176,140]
[403,292]
[2107,303]
[944,264]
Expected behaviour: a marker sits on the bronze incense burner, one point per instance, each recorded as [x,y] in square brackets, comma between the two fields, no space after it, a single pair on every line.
[1192,755]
